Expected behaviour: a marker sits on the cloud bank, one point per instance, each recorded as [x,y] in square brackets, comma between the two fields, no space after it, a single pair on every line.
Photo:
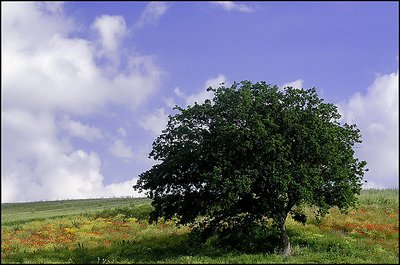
[49,76]
[376,114]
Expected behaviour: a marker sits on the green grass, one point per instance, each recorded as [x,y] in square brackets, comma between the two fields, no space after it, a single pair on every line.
[389,197]
[116,231]
[23,212]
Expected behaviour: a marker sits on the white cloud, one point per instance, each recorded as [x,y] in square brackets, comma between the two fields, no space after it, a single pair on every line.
[121,150]
[155,122]
[60,73]
[25,134]
[152,13]
[376,114]
[295,84]
[111,29]
[133,87]
[36,165]
[372,185]
[124,188]
[232,6]
[215,82]
[52,7]
[122,131]
[202,95]
[47,74]
[77,129]
[26,26]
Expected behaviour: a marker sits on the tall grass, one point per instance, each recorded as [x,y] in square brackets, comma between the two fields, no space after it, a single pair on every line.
[389,197]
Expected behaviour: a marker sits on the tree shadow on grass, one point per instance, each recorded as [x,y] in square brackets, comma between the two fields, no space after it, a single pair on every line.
[151,250]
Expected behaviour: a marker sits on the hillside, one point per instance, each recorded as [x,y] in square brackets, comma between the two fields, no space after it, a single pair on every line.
[19,212]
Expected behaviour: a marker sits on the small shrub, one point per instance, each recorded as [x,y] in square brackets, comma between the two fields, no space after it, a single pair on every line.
[141,212]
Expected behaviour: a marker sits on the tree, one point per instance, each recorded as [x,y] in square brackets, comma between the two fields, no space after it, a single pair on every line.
[253,152]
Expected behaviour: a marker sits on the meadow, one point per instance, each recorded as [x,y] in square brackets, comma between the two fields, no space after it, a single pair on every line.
[111,231]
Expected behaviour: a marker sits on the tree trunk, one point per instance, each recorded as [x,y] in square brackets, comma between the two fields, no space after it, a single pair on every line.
[286,249]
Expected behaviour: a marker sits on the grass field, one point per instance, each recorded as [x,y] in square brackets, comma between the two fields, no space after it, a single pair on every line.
[116,231]
[22,212]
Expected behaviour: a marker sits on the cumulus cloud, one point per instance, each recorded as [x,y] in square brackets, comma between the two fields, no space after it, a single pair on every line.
[77,129]
[139,81]
[111,29]
[232,6]
[47,75]
[203,94]
[121,150]
[123,188]
[295,84]
[152,13]
[35,164]
[26,26]
[60,73]
[155,122]
[376,114]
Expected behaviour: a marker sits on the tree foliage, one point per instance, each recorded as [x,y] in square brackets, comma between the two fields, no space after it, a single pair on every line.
[253,152]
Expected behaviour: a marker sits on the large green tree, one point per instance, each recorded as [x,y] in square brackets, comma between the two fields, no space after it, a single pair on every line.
[253,152]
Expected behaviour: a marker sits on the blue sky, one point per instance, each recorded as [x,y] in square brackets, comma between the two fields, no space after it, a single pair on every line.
[87,86]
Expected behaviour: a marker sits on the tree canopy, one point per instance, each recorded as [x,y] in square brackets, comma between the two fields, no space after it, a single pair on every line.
[253,152]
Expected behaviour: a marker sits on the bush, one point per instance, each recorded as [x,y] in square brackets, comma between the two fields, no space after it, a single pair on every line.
[140,212]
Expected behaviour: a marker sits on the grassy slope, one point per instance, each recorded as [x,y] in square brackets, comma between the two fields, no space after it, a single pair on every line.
[23,212]
[366,235]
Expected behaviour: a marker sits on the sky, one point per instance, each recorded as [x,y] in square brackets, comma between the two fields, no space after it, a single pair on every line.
[86,87]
